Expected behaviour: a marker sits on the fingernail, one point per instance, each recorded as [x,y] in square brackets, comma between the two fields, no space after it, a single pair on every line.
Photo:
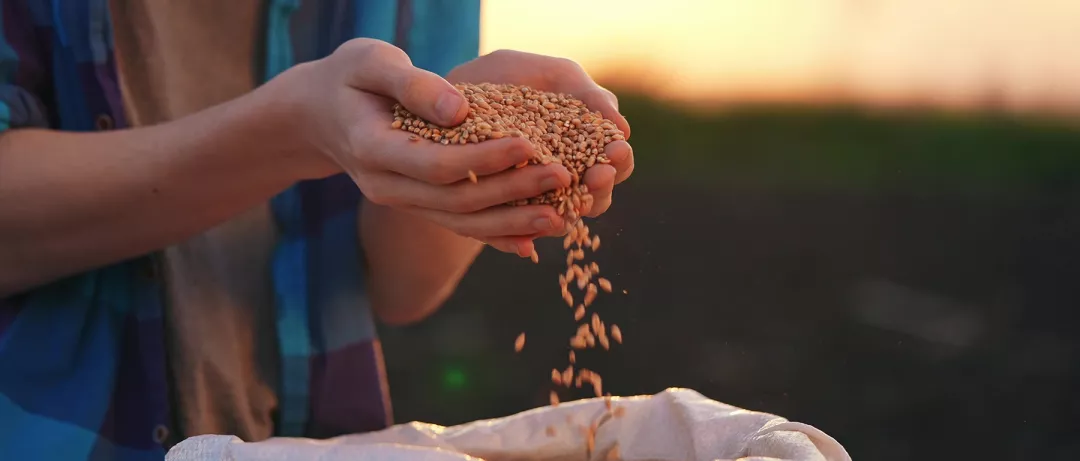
[550,182]
[543,224]
[448,105]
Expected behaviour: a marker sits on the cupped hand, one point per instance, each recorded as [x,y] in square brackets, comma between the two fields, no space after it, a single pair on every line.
[345,106]
[560,75]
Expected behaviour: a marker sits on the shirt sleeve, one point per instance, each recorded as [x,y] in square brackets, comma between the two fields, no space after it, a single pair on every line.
[443,33]
[23,76]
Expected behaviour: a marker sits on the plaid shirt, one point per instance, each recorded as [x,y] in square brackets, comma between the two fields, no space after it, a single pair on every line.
[82,360]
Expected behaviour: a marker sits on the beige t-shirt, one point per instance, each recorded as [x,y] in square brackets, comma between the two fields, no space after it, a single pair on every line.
[174,58]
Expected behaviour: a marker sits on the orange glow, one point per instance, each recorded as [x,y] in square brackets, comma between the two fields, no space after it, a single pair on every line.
[1016,53]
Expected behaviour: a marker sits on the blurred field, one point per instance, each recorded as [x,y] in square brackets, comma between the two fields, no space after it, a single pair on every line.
[902,280]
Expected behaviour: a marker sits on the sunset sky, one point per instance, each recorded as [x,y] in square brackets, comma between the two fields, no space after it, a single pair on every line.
[949,51]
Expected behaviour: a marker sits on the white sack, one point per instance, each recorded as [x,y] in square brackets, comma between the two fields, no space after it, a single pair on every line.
[677,424]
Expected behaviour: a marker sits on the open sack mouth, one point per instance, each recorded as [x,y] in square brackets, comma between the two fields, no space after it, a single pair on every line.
[676,424]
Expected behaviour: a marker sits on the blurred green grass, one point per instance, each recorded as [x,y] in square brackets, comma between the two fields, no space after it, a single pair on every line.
[852,149]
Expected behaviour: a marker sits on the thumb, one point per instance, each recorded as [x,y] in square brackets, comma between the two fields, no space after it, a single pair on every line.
[378,67]
[428,96]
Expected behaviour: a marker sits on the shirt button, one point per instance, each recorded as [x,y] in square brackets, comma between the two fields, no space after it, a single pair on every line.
[160,433]
[103,122]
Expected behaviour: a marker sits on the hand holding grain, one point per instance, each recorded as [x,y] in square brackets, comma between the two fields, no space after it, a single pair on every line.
[344,101]
[559,75]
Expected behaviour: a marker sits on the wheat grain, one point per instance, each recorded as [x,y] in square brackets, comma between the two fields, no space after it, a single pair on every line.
[561,130]
[519,343]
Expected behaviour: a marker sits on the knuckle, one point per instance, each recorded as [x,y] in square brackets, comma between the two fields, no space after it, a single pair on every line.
[504,52]
[370,52]
[567,64]
[381,51]
[562,70]
[409,84]
[354,47]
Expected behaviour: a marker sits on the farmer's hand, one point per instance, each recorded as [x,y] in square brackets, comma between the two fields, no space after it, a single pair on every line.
[560,76]
[343,105]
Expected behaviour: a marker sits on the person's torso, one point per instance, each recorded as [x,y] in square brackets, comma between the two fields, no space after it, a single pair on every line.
[174,59]
[84,358]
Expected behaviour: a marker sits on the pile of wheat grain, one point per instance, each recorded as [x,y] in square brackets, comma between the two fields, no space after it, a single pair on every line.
[562,130]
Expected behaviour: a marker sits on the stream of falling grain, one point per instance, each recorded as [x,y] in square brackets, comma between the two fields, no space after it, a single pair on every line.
[561,130]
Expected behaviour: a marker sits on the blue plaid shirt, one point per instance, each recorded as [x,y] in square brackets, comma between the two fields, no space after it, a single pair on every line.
[82,360]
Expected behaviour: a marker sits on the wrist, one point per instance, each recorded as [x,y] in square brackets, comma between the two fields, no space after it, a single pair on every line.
[276,119]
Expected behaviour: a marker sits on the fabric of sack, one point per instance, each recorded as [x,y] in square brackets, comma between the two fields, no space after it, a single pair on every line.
[677,424]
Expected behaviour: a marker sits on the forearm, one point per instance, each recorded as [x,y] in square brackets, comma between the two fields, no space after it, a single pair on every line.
[70,202]
[413,264]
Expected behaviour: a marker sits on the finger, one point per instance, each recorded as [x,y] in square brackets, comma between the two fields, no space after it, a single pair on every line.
[435,163]
[498,221]
[465,196]
[521,246]
[622,158]
[600,206]
[601,180]
[600,99]
[381,68]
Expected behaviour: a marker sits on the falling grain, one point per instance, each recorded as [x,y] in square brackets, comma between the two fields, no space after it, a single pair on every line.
[590,294]
[577,342]
[561,130]
[582,278]
[616,333]
[519,343]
